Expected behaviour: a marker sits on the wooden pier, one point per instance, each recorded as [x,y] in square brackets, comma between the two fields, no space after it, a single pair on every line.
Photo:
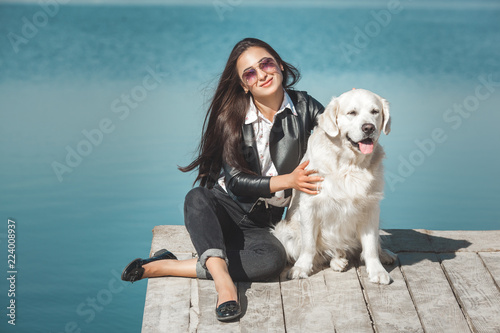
[444,281]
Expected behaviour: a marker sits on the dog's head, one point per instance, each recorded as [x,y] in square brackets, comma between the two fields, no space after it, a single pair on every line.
[358,117]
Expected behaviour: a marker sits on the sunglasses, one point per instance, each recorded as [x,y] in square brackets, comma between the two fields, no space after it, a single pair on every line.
[268,65]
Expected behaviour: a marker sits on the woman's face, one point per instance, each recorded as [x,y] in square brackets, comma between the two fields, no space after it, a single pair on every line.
[259,72]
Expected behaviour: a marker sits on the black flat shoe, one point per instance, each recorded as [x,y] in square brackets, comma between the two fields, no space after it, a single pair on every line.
[133,271]
[228,311]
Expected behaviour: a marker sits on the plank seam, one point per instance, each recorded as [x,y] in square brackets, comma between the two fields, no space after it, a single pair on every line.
[282,304]
[194,311]
[457,297]
[365,298]
[411,294]
[326,288]
[487,269]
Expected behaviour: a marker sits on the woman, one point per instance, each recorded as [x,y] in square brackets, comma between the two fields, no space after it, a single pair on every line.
[255,134]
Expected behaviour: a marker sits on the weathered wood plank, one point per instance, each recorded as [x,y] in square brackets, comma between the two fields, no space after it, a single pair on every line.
[492,261]
[432,295]
[174,238]
[207,321]
[262,307]
[464,241]
[167,305]
[390,305]
[194,311]
[167,298]
[475,289]
[346,296]
[305,304]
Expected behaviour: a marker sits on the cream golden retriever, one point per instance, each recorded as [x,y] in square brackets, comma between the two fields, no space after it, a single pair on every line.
[343,219]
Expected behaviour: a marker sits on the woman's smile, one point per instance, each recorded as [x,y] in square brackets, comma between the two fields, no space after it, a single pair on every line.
[267,83]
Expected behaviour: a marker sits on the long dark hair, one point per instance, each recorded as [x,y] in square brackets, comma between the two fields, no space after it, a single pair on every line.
[222,128]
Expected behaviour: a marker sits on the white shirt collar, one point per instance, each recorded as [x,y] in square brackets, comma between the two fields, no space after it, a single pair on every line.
[253,113]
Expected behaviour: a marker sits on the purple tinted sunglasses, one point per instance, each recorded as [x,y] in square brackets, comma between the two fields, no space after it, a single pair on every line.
[267,65]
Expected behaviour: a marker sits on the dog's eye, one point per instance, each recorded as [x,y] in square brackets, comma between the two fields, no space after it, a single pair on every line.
[375,112]
[352,113]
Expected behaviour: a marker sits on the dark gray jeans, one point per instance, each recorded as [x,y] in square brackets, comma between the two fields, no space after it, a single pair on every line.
[220,228]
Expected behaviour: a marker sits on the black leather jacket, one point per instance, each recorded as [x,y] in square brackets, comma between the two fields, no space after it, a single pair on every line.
[288,143]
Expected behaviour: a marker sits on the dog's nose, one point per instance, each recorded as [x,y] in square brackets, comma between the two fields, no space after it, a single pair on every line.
[368,128]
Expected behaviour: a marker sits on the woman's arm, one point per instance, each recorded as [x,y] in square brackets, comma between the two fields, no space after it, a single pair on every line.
[299,179]
[246,185]
[242,184]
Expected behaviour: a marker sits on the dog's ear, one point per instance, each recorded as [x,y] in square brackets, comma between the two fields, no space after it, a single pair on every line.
[386,127]
[328,120]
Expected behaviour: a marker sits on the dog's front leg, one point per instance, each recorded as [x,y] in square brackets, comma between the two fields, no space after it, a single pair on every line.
[304,265]
[370,242]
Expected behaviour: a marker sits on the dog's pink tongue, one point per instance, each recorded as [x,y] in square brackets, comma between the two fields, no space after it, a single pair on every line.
[366,148]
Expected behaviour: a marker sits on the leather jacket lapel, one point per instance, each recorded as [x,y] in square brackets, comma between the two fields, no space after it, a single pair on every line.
[250,148]
[285,150]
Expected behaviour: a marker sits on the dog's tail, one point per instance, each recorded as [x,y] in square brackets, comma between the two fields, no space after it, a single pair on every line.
[289,236]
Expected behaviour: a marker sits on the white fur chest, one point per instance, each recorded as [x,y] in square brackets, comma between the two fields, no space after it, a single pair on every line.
[347,194]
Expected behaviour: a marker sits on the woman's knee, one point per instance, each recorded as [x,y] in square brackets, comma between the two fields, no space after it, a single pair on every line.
[196,195]
[196,203]
[280,257]
[272,263]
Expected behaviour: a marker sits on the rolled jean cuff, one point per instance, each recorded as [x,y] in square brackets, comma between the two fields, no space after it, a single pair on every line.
[201,266]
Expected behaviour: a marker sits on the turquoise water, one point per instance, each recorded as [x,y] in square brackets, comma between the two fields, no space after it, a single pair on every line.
[127,87]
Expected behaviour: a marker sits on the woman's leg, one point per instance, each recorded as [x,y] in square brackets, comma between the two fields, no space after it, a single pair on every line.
[224,285]
[205,220]
[215,222]
[253,252]
[210,220]
[187,268]
[169,267]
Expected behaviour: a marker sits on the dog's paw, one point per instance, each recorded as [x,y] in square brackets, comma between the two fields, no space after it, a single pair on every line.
[387,257]
[297,273]
[379,276]
[339,264]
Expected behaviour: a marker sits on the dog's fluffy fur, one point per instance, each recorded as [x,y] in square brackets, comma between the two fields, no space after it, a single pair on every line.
[344,217]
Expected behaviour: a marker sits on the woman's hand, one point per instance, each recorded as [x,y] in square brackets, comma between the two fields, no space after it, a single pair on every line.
[300,179]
